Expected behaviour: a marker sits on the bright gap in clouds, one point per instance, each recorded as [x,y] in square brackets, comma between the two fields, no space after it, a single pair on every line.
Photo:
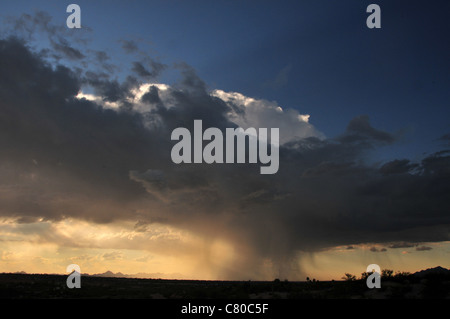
[244,111]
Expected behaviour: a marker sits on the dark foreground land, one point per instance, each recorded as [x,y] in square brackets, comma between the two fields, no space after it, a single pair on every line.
[40,286]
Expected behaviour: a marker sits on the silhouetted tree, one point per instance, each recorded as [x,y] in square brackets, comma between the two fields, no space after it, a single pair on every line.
[349,277]
[365,275]
[386,273]
[401,274]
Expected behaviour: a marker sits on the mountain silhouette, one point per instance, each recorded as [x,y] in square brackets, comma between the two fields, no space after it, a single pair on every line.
[139,275]
[433,271]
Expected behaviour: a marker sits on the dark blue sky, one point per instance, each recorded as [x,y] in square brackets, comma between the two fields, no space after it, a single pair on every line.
[315,56]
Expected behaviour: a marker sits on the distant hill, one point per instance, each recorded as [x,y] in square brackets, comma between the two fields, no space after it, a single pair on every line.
[422,273]
[433,271]
[110,274]
[107,285]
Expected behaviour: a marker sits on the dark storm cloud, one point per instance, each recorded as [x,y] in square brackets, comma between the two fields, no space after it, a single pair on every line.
[63,47]
[140,70]
[129,46]
[359,130]
[28,24]
[101,59]
[397,167]
[402,245]
[40,22]
[322,196]
[110,90]
[64,157]
[445,137]
[101,56]
[58,146]
[152,96]
[155,69]
[423,248]
[146,67]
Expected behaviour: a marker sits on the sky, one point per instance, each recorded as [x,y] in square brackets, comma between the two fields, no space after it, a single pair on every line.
[87,114]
